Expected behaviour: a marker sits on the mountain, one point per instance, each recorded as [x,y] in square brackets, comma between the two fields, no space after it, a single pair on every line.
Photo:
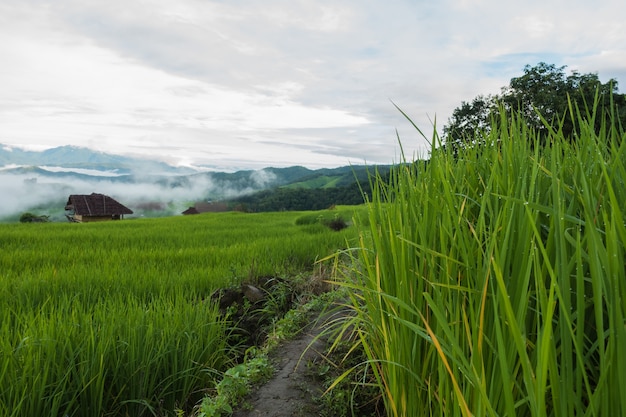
[73,163]
[42,181]
[318,190]
[84,158]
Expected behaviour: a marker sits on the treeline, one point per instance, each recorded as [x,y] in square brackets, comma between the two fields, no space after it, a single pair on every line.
[288,199]
[315,192]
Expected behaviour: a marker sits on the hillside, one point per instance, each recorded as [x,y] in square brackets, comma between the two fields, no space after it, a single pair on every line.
[41,181]
[316,192]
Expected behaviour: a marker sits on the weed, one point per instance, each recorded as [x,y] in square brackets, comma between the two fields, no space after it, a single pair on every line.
[236,384]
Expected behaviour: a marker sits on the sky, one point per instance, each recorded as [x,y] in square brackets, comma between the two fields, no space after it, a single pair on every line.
[247,84]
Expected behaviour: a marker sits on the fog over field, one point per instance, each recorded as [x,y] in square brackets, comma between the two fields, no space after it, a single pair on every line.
[167,194]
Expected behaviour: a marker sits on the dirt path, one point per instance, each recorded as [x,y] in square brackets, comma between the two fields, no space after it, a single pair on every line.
[292,392]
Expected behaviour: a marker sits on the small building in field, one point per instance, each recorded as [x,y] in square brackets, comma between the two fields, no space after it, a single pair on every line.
[191,210]
[206,207]
[94,208]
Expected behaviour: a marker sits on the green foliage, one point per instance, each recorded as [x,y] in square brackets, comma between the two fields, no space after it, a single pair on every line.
[337,224]
[315,193]
[492,282]
[236,384]
[115,318]
[300,199]
[33,218]
[237,381]
[355,394]
[338,177]
[335,218]
[545,90]
[322,181]
[546,98]
[470,121]
[120,356]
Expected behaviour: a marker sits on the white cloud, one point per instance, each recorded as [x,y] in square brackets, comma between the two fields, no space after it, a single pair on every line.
[279,81]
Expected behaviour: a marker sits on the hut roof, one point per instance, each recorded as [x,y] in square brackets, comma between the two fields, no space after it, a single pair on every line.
[191,210]
[95,205]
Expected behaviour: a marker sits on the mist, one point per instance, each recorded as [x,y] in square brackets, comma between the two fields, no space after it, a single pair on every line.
[150,195]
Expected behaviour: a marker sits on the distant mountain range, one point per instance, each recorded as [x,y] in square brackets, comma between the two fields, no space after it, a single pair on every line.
[86,163]
[83,158]
[42,181]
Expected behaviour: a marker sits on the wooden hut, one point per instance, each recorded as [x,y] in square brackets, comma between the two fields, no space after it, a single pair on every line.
[206,207]
[191,210]
[94,207]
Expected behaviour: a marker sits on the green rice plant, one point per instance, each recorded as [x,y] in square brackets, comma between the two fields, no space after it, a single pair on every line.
[122,357]
[492,282]
[117,319]
[147,257]
[325,216]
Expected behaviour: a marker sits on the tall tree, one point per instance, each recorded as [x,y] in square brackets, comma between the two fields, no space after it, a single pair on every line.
[542,92]
[469,121]
[542,89]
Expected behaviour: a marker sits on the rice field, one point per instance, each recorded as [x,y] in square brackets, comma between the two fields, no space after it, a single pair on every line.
[115,319]
[487,282]
[492,282]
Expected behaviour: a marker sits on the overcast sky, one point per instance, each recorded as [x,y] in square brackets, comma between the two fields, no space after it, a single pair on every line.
[254,83]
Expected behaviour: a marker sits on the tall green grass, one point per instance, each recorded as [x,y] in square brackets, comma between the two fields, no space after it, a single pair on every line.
[116,319]
[493,282]
[118,357]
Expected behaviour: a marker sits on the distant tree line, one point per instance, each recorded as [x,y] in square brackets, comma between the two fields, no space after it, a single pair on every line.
[287,199]
[545,98]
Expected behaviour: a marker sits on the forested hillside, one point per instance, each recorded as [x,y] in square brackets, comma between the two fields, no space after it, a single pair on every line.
[316,192]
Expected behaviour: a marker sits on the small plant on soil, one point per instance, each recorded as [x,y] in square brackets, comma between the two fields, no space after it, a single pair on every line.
[236,384]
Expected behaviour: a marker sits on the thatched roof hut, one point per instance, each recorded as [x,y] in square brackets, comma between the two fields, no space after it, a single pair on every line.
[94,207]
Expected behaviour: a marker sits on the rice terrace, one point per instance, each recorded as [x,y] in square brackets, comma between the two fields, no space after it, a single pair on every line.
[487,280]
[116,318]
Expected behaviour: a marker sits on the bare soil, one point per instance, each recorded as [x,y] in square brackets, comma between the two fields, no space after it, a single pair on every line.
[293,391]
[301,367]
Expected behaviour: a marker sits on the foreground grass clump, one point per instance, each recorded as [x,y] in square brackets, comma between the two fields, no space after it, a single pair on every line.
[493,282]
[117,319]
[119,357]
[334,218]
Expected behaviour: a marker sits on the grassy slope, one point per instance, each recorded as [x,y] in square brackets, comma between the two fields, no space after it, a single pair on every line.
[323,181]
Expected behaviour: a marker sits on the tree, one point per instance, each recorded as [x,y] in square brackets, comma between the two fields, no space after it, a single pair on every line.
[542,89]
[33,218]
[470,120]
[543,93]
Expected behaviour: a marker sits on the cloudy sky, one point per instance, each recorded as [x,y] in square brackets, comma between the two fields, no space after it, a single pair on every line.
[253,83]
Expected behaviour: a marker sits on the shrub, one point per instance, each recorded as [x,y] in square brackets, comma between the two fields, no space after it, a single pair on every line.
[336,224]
[33,218]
